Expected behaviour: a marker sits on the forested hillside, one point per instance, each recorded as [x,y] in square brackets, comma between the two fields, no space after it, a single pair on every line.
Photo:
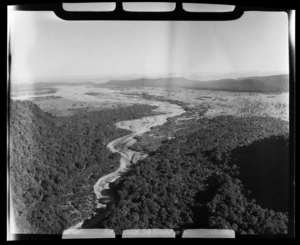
[192,182]
[51,157]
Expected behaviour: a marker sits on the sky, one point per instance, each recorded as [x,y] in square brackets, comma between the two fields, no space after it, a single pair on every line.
[45,48]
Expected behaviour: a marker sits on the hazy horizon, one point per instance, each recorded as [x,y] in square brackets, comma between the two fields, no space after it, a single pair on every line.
[99,80]
[45,48]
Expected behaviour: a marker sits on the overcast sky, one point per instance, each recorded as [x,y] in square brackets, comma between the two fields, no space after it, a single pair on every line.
[46,47]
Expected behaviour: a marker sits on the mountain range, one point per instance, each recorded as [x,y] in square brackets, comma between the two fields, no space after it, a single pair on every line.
[271,84]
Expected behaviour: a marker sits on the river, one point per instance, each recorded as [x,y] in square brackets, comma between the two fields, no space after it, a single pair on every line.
[121,145]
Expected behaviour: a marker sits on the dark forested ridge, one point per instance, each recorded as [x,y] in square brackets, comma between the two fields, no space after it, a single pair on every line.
[192,181]
[264,84]
[52,157]
[264,170]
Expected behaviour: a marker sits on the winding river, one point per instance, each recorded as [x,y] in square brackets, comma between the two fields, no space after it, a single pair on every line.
[120,145]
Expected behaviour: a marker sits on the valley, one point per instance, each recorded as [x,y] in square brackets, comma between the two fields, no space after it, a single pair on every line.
[172,132]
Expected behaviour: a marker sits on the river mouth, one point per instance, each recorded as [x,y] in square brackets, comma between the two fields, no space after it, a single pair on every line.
[264,170]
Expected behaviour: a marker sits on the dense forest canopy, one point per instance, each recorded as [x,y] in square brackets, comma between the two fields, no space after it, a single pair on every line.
[192,182]
[52,156]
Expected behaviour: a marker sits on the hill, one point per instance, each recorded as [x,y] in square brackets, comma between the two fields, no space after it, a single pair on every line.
[264,84]
[54,157]
[156,82]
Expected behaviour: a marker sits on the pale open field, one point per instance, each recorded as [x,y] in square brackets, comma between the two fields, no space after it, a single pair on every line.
[225,103]
[69,99]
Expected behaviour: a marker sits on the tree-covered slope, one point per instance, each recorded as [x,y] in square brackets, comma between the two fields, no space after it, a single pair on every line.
[51,157]
[192,182]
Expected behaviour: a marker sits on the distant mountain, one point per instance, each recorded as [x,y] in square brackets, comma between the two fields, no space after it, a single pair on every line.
[155,82]
[263,84]
[275,84]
